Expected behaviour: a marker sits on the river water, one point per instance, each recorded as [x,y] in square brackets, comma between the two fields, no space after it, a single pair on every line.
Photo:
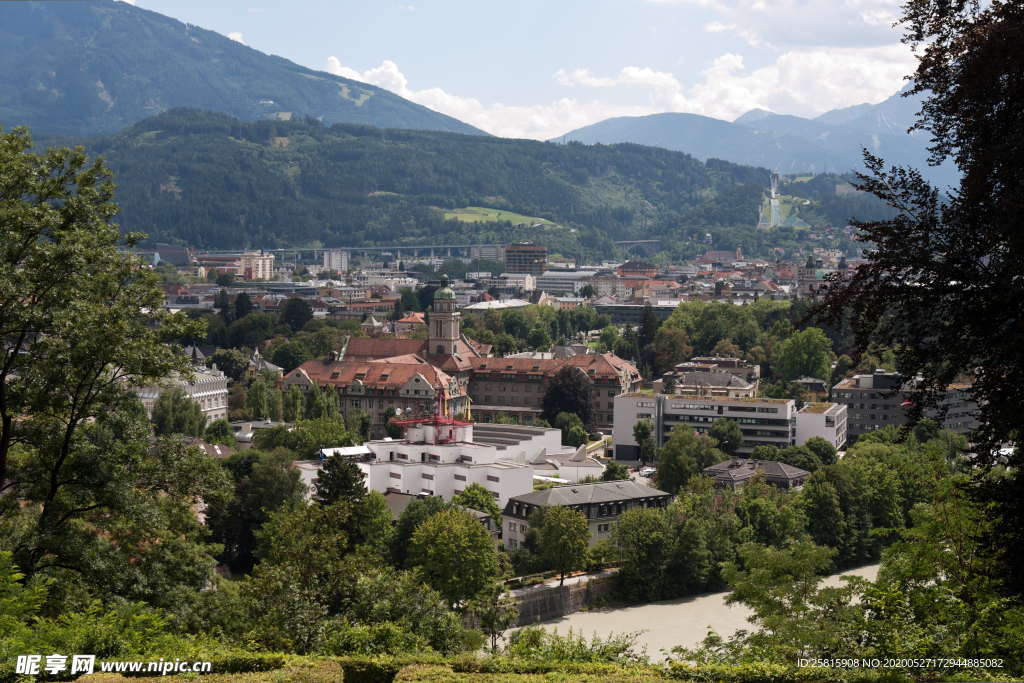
[669,623]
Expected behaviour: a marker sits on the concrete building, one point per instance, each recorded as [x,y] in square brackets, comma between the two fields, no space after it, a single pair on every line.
[881,398]
[708,383]
[826,420]
[526,258]
[763,421]
[516,386]
[256,265]
[558,282]
[440,456]
[208,388]
[602,504]
[336,260]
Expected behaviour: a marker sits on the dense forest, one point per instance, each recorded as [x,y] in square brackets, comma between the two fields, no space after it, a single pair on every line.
[209,180]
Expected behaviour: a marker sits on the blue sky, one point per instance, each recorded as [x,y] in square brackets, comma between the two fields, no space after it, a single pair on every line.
[538,69]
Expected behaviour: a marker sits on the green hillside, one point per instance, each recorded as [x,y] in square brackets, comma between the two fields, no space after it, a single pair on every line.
[208,180]
[87,68]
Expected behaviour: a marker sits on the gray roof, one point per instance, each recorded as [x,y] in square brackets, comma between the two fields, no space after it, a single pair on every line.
[711,378]
[580,494]
[740,469]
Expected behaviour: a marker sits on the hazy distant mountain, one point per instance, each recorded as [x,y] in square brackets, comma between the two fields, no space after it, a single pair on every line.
[83,68]
[830,143]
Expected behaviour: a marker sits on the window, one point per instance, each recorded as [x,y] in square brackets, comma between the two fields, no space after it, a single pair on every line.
[460,477]
[491,477]
[603,528]
[395,475]
[427,476]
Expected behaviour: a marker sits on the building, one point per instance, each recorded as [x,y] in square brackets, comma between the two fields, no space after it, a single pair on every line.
[208,388]
[562,282]
[881,399]
[441,456]
[526,258]
[381,388]
[602,504]
[337,260]
[746,370]
[256,265]
[825,420]
[516,386]
[763,421]
[709,383]
[632,314]
[735,472]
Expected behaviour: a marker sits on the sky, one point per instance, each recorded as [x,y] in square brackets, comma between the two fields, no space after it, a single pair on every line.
[541,68]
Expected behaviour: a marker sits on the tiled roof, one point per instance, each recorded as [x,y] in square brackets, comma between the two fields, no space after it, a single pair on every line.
[375,374]
[739,469]
[603,365]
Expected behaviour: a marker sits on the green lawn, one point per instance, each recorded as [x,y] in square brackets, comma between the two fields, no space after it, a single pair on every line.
[482,214]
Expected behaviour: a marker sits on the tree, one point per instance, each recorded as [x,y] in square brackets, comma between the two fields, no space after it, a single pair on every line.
[642,538]
[259,401]
[174,412]
[668,385]
[418,511]
[243,305]
[564,538]
[496,610]
[807,353]
[225,279]
[684,455]
[219,431]
[643,434]
[568,392]
[291,355]
[295,313]
[728,435]
[825,452]
[649,324]
[456,554]
[608,338]
[294,404]
[476,497]
[800,456]
[614,471]
[231,362]
[538,339]
[671,347]
[339,479]
[727,349]
[263,482]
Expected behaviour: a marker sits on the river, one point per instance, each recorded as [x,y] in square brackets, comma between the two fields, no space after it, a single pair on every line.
[669,623]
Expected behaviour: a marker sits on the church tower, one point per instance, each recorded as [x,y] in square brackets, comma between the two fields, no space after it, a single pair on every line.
[444,322]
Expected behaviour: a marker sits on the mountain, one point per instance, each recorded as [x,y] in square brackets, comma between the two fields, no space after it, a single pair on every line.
[96,66]
[830,143]
[209,180]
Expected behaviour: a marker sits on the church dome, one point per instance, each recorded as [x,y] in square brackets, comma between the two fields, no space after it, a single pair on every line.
[445,292]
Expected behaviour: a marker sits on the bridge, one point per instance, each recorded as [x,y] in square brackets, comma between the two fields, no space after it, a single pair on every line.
[494,252]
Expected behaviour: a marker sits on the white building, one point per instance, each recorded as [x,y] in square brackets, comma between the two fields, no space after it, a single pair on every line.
[336,260]
[256,265]
[441,456]
[208,388]
[827,420]
[763,421]
[564,281]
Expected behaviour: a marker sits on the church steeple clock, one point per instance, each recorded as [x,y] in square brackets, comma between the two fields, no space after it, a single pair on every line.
[444,321]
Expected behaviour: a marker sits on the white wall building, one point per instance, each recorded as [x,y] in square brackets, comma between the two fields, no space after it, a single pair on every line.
[827,420]
[256,265]
[763,421]
[440,457]
[208,388]
[336,260]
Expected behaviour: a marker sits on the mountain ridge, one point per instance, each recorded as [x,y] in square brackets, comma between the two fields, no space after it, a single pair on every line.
[93,68]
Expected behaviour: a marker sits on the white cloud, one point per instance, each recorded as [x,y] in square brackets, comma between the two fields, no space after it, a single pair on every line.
[804,82]
[237,37]
[786,24]
[128,2]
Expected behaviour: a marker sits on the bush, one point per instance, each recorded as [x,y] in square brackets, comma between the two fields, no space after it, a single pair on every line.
[766,672]
[375,639]
[381,668]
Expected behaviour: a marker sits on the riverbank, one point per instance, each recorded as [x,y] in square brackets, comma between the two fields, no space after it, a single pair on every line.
[670,623]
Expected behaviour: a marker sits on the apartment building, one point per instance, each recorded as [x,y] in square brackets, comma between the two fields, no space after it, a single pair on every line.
[207,387]
[560,282]
[881,399]
[526,258]
[602,504]
[763,421]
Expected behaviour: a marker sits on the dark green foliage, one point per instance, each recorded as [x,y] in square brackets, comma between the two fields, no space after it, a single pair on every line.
[339,479]
[415,514]
[728,435]
[568,392]
[290,355]
[563,540]
[174,412]
[243,305]
[339,185]
[614,471]
[457,555]
[231,362]
[683,456]
[826,452]
[295,313]
[800,456]
[478,498]
[219,431]
[263,482]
